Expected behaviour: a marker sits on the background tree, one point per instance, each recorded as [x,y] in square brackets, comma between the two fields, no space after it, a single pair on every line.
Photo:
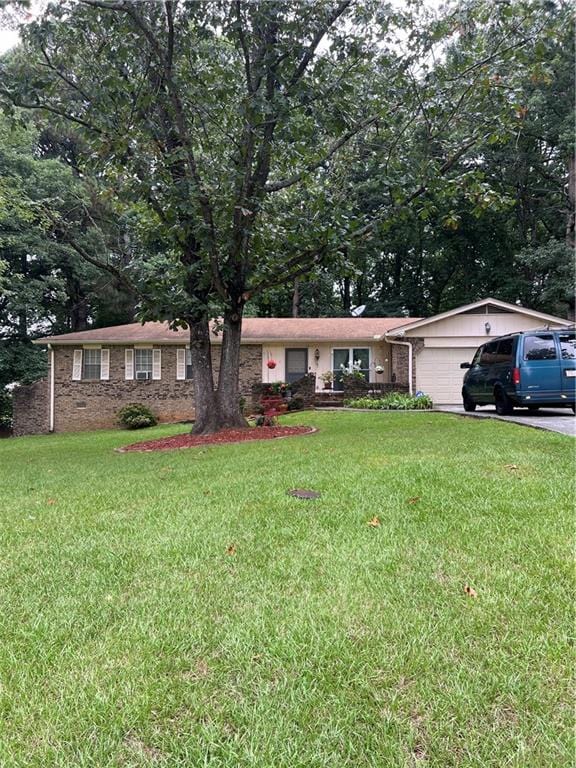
[245,138]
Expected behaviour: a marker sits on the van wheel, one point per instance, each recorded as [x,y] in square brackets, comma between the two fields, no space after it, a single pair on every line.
[503,405]
[469,404]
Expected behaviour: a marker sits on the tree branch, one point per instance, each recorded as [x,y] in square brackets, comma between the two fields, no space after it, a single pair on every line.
[316,40]
[275,186]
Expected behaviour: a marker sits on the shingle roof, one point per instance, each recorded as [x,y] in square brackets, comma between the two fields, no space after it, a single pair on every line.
[254,330]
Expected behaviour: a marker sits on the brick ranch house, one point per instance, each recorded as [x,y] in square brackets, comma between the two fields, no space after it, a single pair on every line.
[92,374]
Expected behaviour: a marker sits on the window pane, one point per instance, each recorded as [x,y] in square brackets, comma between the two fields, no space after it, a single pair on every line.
[539,347]
[489,353]
[143,361]
[568,345]
[188,364]
[504,354]
[91,364]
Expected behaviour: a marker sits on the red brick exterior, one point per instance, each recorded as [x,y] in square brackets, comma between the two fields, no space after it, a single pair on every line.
[400,361]
[31,409]
[86,405]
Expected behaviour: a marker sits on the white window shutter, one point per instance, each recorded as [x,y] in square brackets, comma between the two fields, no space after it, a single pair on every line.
[77,365]
[128,363]
[156,364]
[180,364]
[104,364]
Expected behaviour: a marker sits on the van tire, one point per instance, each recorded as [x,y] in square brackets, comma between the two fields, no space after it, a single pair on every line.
[468,403]
[503,405]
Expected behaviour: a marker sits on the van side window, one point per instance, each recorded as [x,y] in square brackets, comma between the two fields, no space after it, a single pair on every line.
[488,356]
[477,356]
[539,347]
[504,354]
[567,345]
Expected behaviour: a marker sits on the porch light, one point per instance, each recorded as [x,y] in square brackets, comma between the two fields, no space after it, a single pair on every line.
[487,327]
[317,355]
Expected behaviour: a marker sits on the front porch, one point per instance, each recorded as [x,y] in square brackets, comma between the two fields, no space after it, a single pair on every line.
[379,366]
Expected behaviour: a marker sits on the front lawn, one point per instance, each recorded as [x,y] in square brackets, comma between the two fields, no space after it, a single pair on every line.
[181,610]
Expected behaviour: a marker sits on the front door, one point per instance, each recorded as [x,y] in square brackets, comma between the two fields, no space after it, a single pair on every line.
[296,364]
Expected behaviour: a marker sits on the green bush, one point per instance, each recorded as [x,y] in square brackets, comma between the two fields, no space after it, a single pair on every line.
[5,409]
[296,404]
[136,416]
[394,401]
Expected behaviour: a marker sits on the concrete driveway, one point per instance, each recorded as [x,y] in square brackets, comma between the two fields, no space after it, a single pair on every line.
[555,419]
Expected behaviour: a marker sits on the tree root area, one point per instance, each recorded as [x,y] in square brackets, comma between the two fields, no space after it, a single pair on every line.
[217,438]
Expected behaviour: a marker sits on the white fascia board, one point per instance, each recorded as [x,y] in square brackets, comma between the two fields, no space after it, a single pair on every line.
[401,331]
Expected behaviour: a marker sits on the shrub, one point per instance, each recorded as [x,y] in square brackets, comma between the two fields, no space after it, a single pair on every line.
[136,416]
[266,420]
[296,404]
[5,409]
[394,401]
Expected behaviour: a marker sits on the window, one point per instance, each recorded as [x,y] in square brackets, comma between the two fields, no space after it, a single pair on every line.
[488,356]
[296,364]
[189,365]
[505,348]
[567,345]
[143,363]
[539,347]
[356,358]
[91,364]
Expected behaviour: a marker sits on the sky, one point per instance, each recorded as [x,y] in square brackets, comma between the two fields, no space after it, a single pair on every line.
[9,37]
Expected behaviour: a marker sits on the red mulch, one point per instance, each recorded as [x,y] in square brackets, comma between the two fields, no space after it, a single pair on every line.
[224,436]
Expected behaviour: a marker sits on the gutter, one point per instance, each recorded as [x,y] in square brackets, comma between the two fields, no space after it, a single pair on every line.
[409,345]
[51,410]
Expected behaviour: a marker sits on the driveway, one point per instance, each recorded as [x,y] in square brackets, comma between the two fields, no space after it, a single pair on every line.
[555,419]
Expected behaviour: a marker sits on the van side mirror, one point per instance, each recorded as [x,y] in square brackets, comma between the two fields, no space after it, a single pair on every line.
[465,365]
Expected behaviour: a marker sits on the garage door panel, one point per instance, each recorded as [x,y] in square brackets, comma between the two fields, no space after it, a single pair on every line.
[438,372]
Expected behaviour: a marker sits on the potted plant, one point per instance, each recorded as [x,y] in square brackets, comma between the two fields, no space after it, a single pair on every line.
[328,379]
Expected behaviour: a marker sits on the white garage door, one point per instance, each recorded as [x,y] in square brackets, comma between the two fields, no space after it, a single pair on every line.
[438,372]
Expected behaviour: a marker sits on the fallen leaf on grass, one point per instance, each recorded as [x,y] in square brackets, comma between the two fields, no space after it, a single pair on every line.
[414,500]
[375,522]
[231,549]
[470,591]
[51,501]
[511,467]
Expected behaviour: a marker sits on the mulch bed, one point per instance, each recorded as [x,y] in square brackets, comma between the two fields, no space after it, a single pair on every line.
[218,438]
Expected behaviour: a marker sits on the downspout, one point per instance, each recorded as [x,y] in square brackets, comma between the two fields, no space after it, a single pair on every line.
[409,345]
[51,411]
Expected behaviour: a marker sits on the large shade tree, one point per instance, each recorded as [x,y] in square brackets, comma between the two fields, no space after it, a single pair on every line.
[229,130]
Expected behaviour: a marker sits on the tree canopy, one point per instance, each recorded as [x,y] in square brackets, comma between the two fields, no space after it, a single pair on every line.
[242,146]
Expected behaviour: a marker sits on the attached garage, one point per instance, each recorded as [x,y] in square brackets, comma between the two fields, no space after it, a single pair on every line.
[441,343]
[438,372]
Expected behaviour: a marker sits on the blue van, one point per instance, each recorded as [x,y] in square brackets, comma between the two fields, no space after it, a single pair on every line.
[531,369]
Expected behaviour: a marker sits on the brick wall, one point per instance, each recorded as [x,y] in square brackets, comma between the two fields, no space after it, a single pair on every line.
[31,409]
[400,361]
[85,405]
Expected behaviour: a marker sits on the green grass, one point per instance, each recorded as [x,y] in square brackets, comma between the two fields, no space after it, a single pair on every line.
[129,637]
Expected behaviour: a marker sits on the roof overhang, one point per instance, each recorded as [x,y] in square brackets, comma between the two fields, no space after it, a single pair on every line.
[542,316]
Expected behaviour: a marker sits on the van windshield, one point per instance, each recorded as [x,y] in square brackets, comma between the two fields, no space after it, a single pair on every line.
[539,347]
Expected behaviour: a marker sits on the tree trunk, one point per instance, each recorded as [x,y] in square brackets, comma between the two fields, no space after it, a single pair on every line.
[206,420]
[571,221]
[228,396]
[296,298]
